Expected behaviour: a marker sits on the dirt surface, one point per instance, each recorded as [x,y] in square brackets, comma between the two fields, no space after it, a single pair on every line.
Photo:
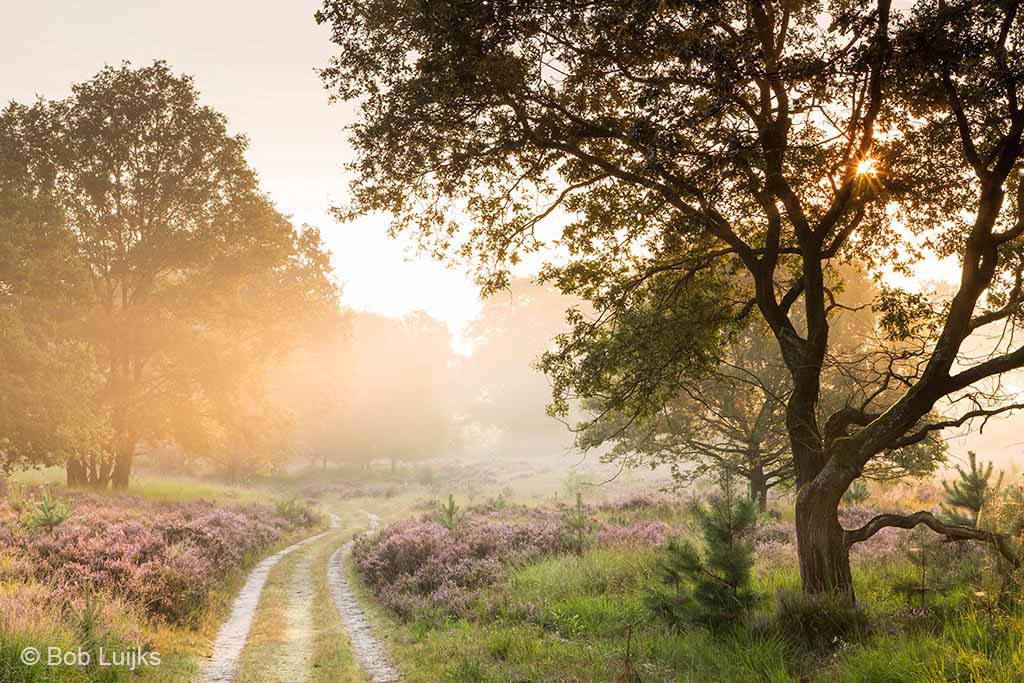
[367,647]
[222,667]
[223,663]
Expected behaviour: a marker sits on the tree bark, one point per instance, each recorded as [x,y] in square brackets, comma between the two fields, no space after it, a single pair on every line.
[823,554]
[76,472]
[821,545]
[121,474]
[759,490]
[93,471]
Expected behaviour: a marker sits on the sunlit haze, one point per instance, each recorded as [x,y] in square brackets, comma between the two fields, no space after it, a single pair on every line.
[255,62]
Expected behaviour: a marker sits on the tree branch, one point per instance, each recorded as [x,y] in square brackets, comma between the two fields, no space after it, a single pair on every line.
[952,532]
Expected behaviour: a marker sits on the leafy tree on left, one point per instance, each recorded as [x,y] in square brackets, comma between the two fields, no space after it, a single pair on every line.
[192,280]
[46,373]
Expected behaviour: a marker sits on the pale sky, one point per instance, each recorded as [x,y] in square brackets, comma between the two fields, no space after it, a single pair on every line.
[254,61]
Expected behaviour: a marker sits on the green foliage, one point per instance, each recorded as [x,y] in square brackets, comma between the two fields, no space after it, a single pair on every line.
[17,497]
[966,496]
[297,511]
[190,281]
[47,513]
[467,670]
[579,526]
[88,621]
[924,554]
[696,192]
[713,589]
[449,514]
[728,419]
[857,493]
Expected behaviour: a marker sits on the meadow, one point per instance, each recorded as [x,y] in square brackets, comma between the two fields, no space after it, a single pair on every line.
[83,570]
[509,594]
[520,574]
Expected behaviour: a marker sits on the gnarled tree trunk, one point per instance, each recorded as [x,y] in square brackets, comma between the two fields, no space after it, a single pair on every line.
[822,551]
[821,544]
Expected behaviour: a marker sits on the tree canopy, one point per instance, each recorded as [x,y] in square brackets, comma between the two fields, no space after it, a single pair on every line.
[192,279]
[718,160]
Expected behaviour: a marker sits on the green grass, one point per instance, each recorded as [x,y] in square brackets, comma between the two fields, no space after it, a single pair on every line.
[333,660]
[567,617]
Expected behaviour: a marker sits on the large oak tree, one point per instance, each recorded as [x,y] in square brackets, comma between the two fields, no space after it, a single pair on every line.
[716,160]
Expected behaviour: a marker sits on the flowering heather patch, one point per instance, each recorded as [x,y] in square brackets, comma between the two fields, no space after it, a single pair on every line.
[641,533]
[775,542]
[661,502]
[417,565]
[165,557]
[886,543]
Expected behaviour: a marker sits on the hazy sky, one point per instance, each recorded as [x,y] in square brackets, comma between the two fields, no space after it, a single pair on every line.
[255,61]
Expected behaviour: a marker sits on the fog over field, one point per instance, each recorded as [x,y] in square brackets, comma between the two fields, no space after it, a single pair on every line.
[447,341]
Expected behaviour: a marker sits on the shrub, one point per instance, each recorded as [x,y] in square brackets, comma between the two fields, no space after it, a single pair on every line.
[819,622]
[417,565]
[579,527]
[48,513]
[164,557]
[966,496]
[297,511]
[857,493]
[641,533]
[420,568]
[448,515]
[714,589]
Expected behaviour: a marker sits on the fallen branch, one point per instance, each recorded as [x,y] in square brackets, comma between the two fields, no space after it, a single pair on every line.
[953,532]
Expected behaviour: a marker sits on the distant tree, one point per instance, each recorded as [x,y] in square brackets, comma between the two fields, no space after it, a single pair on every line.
[194,279]
[731,419]
[380,391]
[966,496]
[705,162]
[730,422]
[501,394]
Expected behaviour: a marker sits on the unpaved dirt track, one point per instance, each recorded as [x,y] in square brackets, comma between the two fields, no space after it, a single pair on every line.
[223,663]
[222,667]
[369,650]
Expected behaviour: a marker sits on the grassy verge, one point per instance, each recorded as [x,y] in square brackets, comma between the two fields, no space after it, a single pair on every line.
[333,659]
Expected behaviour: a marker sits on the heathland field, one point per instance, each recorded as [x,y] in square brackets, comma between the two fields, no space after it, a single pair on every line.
[508,580]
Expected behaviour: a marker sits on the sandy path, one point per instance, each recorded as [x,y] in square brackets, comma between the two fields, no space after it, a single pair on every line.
[299,654]
[369,650]
[223,663]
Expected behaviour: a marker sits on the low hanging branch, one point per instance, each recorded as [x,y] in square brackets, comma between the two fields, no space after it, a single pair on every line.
[953,532]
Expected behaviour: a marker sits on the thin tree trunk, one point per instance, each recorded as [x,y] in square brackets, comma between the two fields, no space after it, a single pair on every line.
[121,474]
[759,491]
